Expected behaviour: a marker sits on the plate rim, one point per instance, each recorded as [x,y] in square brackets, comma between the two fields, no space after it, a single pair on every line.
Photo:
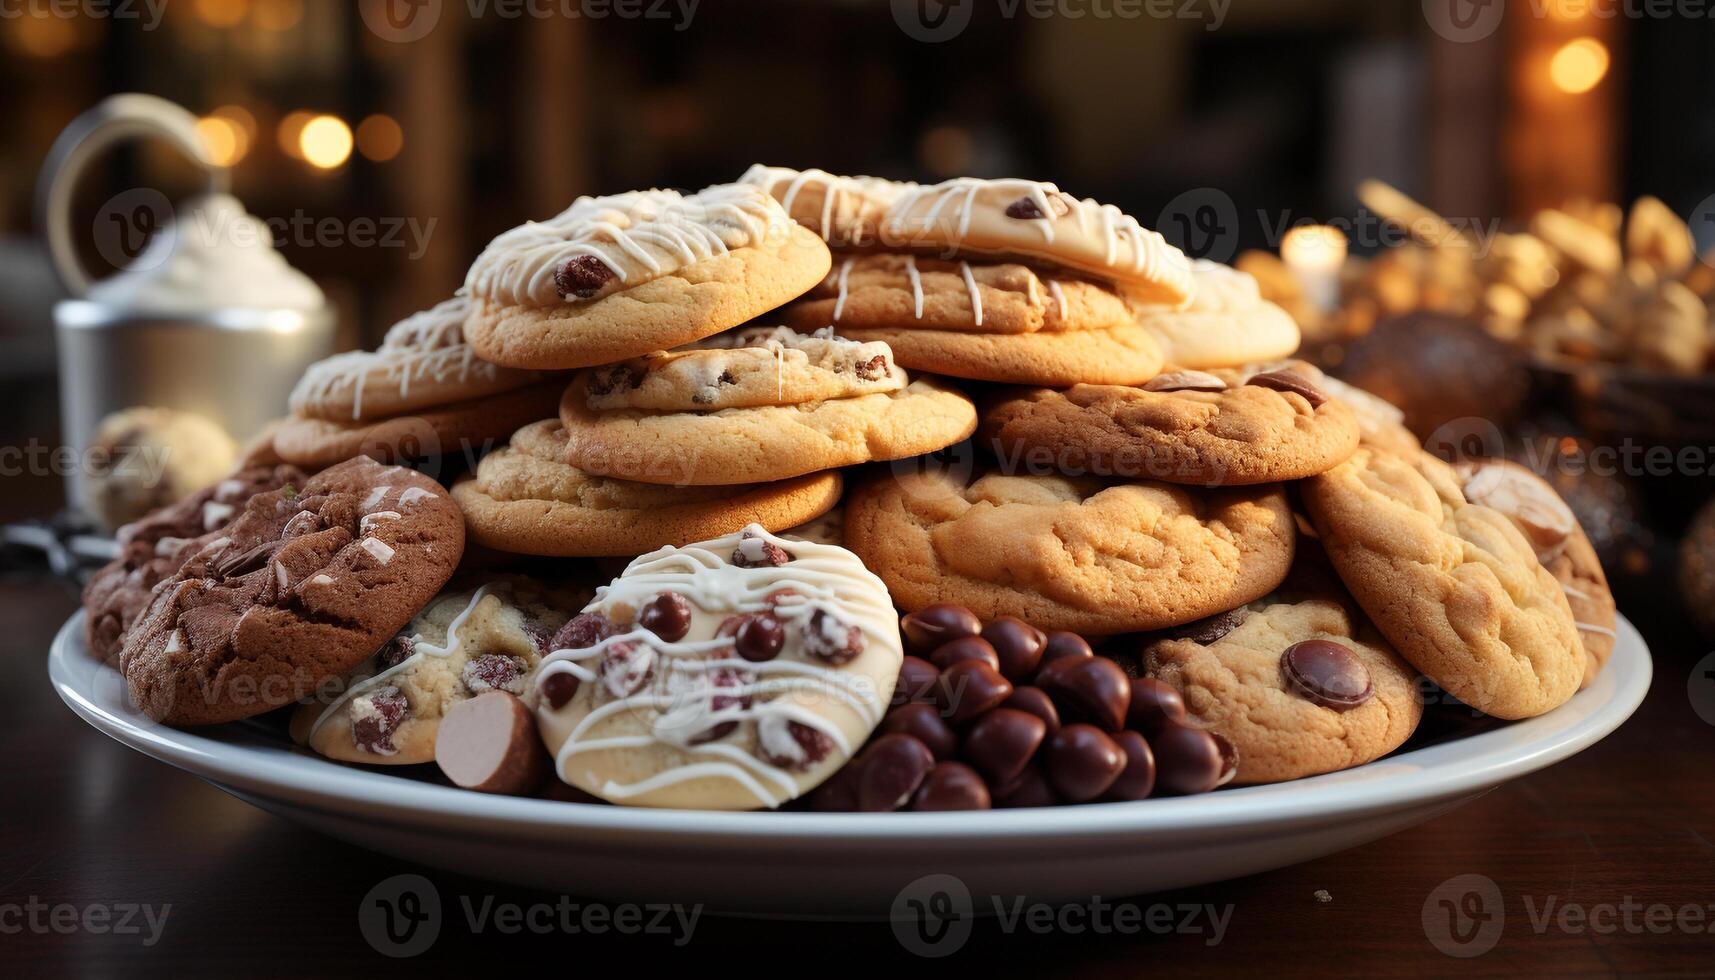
[1493,757]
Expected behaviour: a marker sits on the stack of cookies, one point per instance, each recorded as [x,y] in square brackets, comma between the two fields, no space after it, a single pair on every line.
[1171,560]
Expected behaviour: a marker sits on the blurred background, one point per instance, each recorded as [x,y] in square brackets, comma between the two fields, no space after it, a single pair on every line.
[386,141]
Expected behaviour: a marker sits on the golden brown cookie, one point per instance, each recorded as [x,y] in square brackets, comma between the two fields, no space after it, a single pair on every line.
[899,291]
[1120,356]
[525,499]
[294,593]
[462,427]
[1561,545]
[1182,427]
[765,443]
[596,289]
[1381,425]
[388,709]
[1453,585]
[1227,322]
[1297,687]
[845,211]
[1080,554]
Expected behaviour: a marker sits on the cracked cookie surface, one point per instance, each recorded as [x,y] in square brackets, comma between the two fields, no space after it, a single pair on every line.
[1081,554]
[1236,684]
[1122,355]
[301,587]
[1454,586]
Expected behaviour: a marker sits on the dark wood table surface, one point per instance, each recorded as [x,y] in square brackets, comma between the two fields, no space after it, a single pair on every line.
[1618,842]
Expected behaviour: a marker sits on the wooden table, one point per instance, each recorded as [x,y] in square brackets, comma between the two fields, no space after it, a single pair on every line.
[1629,824]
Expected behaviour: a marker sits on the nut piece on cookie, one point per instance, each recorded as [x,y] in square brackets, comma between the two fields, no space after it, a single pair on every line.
[783,668]
[1454,585]
[1093,556]
[1295,686]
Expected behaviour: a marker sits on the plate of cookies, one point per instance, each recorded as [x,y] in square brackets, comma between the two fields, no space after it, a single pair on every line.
[875,528]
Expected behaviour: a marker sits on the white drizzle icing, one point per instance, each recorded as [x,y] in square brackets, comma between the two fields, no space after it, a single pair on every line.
[1059,295]
[844,194]
[827,578]
[840,303]
[1593,628]
[971,288]
[916,287]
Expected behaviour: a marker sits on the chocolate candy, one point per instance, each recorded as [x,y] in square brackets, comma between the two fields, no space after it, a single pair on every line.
[1187,760]
[969,688]
[1137,780]
[1064,644]
[1093,688]
[1154,703]
[1210,628]
[916,681]
[965,648]
[924,723]
[1290,381]
[1036,702]
[1002,742]
[1029,789]
[759,638]
[952,786]
[559,687]
[931,626]
[889,771]
[1018,644]
[1081,761]
[1326,673]
[668,616]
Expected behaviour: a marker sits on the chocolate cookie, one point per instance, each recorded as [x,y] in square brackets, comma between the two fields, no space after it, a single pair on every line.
[300,588]
[152,549]
[1081,554]
[1297,687]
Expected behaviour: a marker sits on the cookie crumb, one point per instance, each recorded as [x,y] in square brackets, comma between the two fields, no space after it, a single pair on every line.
[1323,896]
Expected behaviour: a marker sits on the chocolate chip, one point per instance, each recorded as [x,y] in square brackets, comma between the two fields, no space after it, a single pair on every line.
[917,679]
[668,616]
[951,786]
[1210,628]
[1065,644]
[1018,644]
[1154,704]
[1187,760]
[969,688]
[889,772]
[1081,762]
[830,639]
[245,562]
[560,687]
[1035,701]
[1002,742]
[1091,688]
[759,638]
[1229,758]
[931,626]
[1290,381]
[1185,381]
[1026,208]
[1326,673]
[965,648]
[805,746]
[924,723]
[581,632]
[1137,780]
[395,651]
[582,276]
[873,369]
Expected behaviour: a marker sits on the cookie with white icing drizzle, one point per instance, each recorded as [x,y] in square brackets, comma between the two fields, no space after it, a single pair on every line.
[846,211]
[732,674]
[1124,355]
[1035,220]
[387,711]
[601,285]
[422,363]
[1227,322]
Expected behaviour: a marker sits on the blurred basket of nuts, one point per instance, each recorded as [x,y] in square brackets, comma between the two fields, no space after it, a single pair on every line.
[1611,308]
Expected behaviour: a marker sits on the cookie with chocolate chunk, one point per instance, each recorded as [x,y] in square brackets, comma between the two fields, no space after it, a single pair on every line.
[1298,687]
[301,587]
[153,548]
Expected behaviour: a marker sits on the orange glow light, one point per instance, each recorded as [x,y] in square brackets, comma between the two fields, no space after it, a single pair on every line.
[379,138]
[1579,65]
[325,142]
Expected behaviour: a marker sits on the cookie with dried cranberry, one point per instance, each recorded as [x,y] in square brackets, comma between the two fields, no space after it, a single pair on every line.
[523,498]
[1299,688]
[299,589]
[467,642]
[732,674]
[152,549]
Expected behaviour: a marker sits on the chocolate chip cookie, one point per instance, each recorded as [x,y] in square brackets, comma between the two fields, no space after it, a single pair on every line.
[301,587]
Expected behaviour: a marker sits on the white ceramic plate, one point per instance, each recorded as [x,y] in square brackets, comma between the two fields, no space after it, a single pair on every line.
[814,863]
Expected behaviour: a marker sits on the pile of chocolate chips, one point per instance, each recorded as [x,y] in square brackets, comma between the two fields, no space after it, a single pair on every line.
[1004,715]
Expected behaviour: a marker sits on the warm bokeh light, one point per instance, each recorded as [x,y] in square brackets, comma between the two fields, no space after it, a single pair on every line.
[279,15]
[1579,65]
[325,142]
[222,13]
[43,36]
[946,150]
[1314,247]
[225,142]
[379,138]
[291,130]
[238,116]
